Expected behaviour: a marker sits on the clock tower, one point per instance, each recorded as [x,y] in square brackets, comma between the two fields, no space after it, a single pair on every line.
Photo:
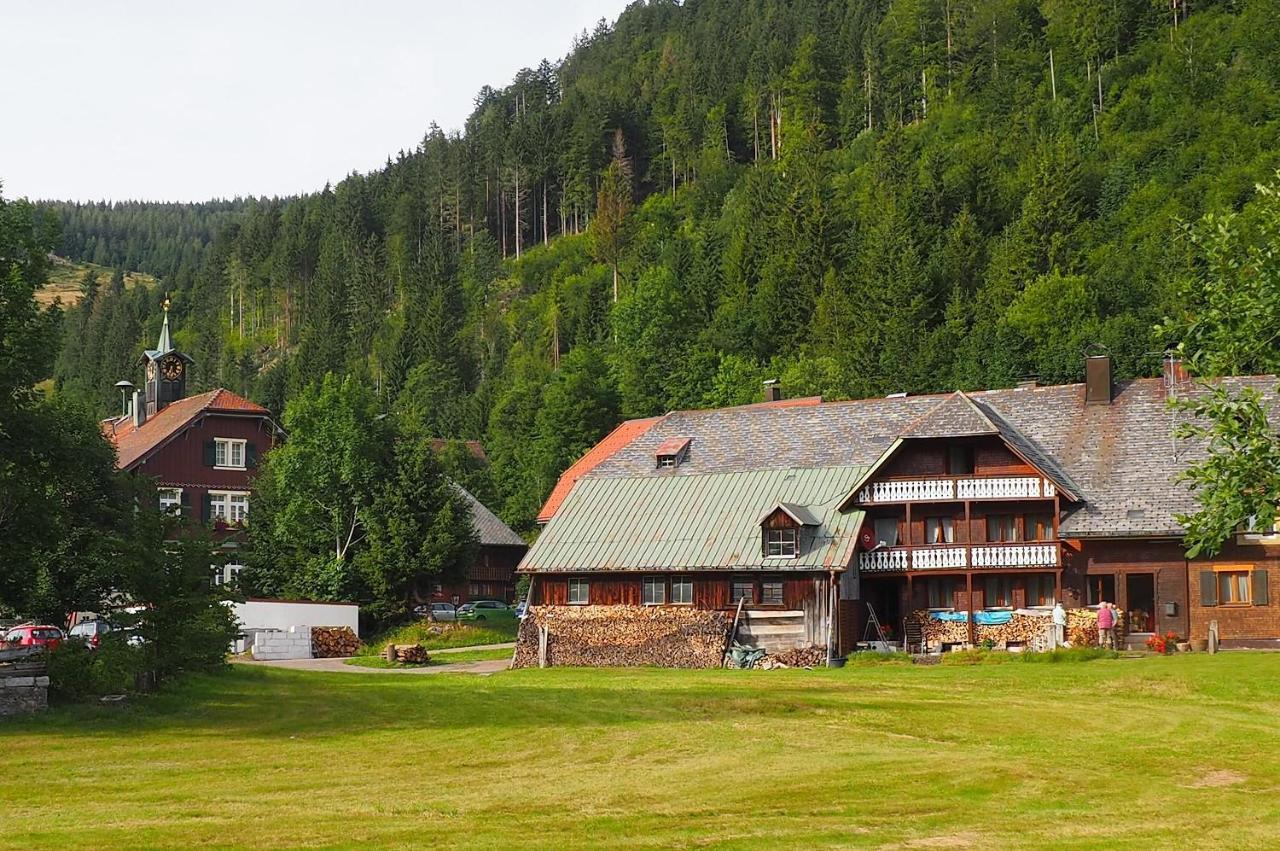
[166,368]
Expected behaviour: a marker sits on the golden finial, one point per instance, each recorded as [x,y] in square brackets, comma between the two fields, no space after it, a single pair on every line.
[166,304]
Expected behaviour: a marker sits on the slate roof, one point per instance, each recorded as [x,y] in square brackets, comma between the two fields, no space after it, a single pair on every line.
[706,522]
[133,444]
[1120,460]
[489,527]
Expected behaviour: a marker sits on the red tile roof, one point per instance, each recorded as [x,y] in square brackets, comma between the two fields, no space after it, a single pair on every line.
[672,446]
[133,444]
[612,442]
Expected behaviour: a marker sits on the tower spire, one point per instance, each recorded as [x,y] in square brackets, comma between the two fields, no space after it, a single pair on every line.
[165,344]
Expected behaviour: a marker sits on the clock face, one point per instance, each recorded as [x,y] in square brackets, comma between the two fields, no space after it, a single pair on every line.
[172,368]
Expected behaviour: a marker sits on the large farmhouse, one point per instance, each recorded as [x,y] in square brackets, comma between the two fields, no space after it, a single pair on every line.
[920,506]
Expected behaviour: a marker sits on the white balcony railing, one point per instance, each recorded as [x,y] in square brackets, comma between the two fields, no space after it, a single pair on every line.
[939,558]
[908,490]
[878,560]
[980,487]
[1021,487]
[1016,555]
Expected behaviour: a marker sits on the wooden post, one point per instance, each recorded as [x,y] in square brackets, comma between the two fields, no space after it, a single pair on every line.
[1053,77]
[968,581]
[542,646]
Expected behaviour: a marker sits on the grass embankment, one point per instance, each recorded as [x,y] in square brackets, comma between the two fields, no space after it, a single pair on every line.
[63,283]
[497,628]
[1145,753]
[435,659]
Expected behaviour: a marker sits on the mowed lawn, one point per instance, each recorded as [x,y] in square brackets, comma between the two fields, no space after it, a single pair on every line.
[1150,753]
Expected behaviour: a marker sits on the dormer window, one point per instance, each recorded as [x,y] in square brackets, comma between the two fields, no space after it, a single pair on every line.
[781,543]
[672,452]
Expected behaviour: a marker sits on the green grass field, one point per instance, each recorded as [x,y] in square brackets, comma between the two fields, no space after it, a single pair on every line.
[451,658]
[1143,753]
[496,628]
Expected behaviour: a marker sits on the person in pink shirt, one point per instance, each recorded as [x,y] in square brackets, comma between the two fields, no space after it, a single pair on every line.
[1106,625]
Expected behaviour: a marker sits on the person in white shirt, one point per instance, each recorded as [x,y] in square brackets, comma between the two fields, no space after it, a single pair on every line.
[1059,625]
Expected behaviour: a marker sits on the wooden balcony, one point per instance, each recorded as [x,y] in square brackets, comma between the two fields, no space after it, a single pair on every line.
[1045,554]
[957,488]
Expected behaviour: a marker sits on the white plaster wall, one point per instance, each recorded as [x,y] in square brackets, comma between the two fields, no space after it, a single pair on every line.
[278,614]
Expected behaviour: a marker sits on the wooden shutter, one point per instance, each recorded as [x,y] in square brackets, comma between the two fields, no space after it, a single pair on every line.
[186,503]
[1020,598]
[960,601]
[206,508]
[210,453]
[977,601]
[251,455]
[1259,578]
[1208,588]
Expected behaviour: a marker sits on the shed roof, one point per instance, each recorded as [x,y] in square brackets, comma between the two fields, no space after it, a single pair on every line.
[706,522]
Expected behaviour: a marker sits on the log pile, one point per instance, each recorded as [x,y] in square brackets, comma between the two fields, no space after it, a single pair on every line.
[1082,629]
[623,636]
[329,642]
[408,654]
[800,657]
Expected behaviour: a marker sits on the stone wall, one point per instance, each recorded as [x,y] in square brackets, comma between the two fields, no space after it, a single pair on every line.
[20,695]
[272,645]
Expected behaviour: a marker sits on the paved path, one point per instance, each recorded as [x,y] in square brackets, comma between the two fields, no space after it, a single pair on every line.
[487,666]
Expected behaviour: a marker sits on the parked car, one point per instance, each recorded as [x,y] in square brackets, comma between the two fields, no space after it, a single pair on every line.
[522,609]
[90,632]
[440,612]
[31,635]
[476,610]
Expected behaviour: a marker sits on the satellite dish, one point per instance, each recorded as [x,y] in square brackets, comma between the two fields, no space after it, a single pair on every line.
[867,538]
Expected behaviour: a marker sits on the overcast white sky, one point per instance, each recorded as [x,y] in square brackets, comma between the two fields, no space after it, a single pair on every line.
[185,101]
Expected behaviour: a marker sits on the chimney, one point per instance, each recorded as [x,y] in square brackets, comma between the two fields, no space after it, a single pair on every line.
[772,392]
[1175,372]
[1097,380]
[139,409]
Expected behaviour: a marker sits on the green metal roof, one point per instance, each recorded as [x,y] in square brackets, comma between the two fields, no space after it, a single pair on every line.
[704,522]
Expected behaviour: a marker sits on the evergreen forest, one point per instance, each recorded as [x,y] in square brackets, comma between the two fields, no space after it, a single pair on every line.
[855,197]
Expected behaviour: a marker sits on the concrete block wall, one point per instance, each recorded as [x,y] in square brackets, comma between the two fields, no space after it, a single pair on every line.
[293,643]
[19,695]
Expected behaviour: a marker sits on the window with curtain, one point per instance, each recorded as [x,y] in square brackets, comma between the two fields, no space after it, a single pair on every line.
[1039,526]
[1040,589]
[887,531]
[1002,528]
[998,592]
[939,530]
[941,592]
[1233,587]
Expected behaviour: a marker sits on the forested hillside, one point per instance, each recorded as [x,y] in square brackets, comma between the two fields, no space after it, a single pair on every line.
[855,196]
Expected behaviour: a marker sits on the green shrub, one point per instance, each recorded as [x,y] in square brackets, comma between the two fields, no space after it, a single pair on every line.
[1070,654]
[974,656]
[872,657]
[78,673]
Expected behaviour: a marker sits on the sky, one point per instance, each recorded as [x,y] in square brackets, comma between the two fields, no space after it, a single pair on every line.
[186,101]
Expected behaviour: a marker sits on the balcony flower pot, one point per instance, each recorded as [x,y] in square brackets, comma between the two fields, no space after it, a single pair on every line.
[1184,646]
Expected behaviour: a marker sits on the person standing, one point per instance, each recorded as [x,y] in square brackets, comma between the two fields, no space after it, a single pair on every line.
[1059,625]
[1106,625]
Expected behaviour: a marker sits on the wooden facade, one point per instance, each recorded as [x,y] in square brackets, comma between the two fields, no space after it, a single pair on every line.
[711,589]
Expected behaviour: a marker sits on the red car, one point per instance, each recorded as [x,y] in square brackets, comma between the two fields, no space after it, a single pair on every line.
[28,635]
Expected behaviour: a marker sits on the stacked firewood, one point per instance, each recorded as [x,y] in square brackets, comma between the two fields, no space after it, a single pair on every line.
[409,654]
[329,642]
[1082,627]
[1021,629]
[800,657]
[623,636]
[937,632]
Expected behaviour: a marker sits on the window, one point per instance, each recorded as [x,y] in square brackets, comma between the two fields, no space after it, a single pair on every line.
[1100,589]
[742,590]
[998,592]
[939,530]
[1001,528]
[228,506]
[886,531]
[960,460]
[655,591]
[941,592]
[1041,590]
[228,453]
[1233,588]
[771,593]
[682,591]
[781,543]
[579,592]
[1255,528]
[170,500]
[1039,526]
[226,574]
[666,461]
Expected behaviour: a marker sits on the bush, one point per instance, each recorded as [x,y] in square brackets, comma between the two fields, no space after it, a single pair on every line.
[78,673]
[974,656]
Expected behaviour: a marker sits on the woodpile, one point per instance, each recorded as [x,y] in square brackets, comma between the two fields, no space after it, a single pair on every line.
[800,657]
[1082,629]
[623,636]
[330,642]
[408,654]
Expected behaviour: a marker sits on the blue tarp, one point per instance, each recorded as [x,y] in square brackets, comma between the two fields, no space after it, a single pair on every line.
[980,618]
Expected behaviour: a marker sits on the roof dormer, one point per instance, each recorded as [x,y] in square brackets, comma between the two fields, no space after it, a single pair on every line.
[672,452]
[780,529]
